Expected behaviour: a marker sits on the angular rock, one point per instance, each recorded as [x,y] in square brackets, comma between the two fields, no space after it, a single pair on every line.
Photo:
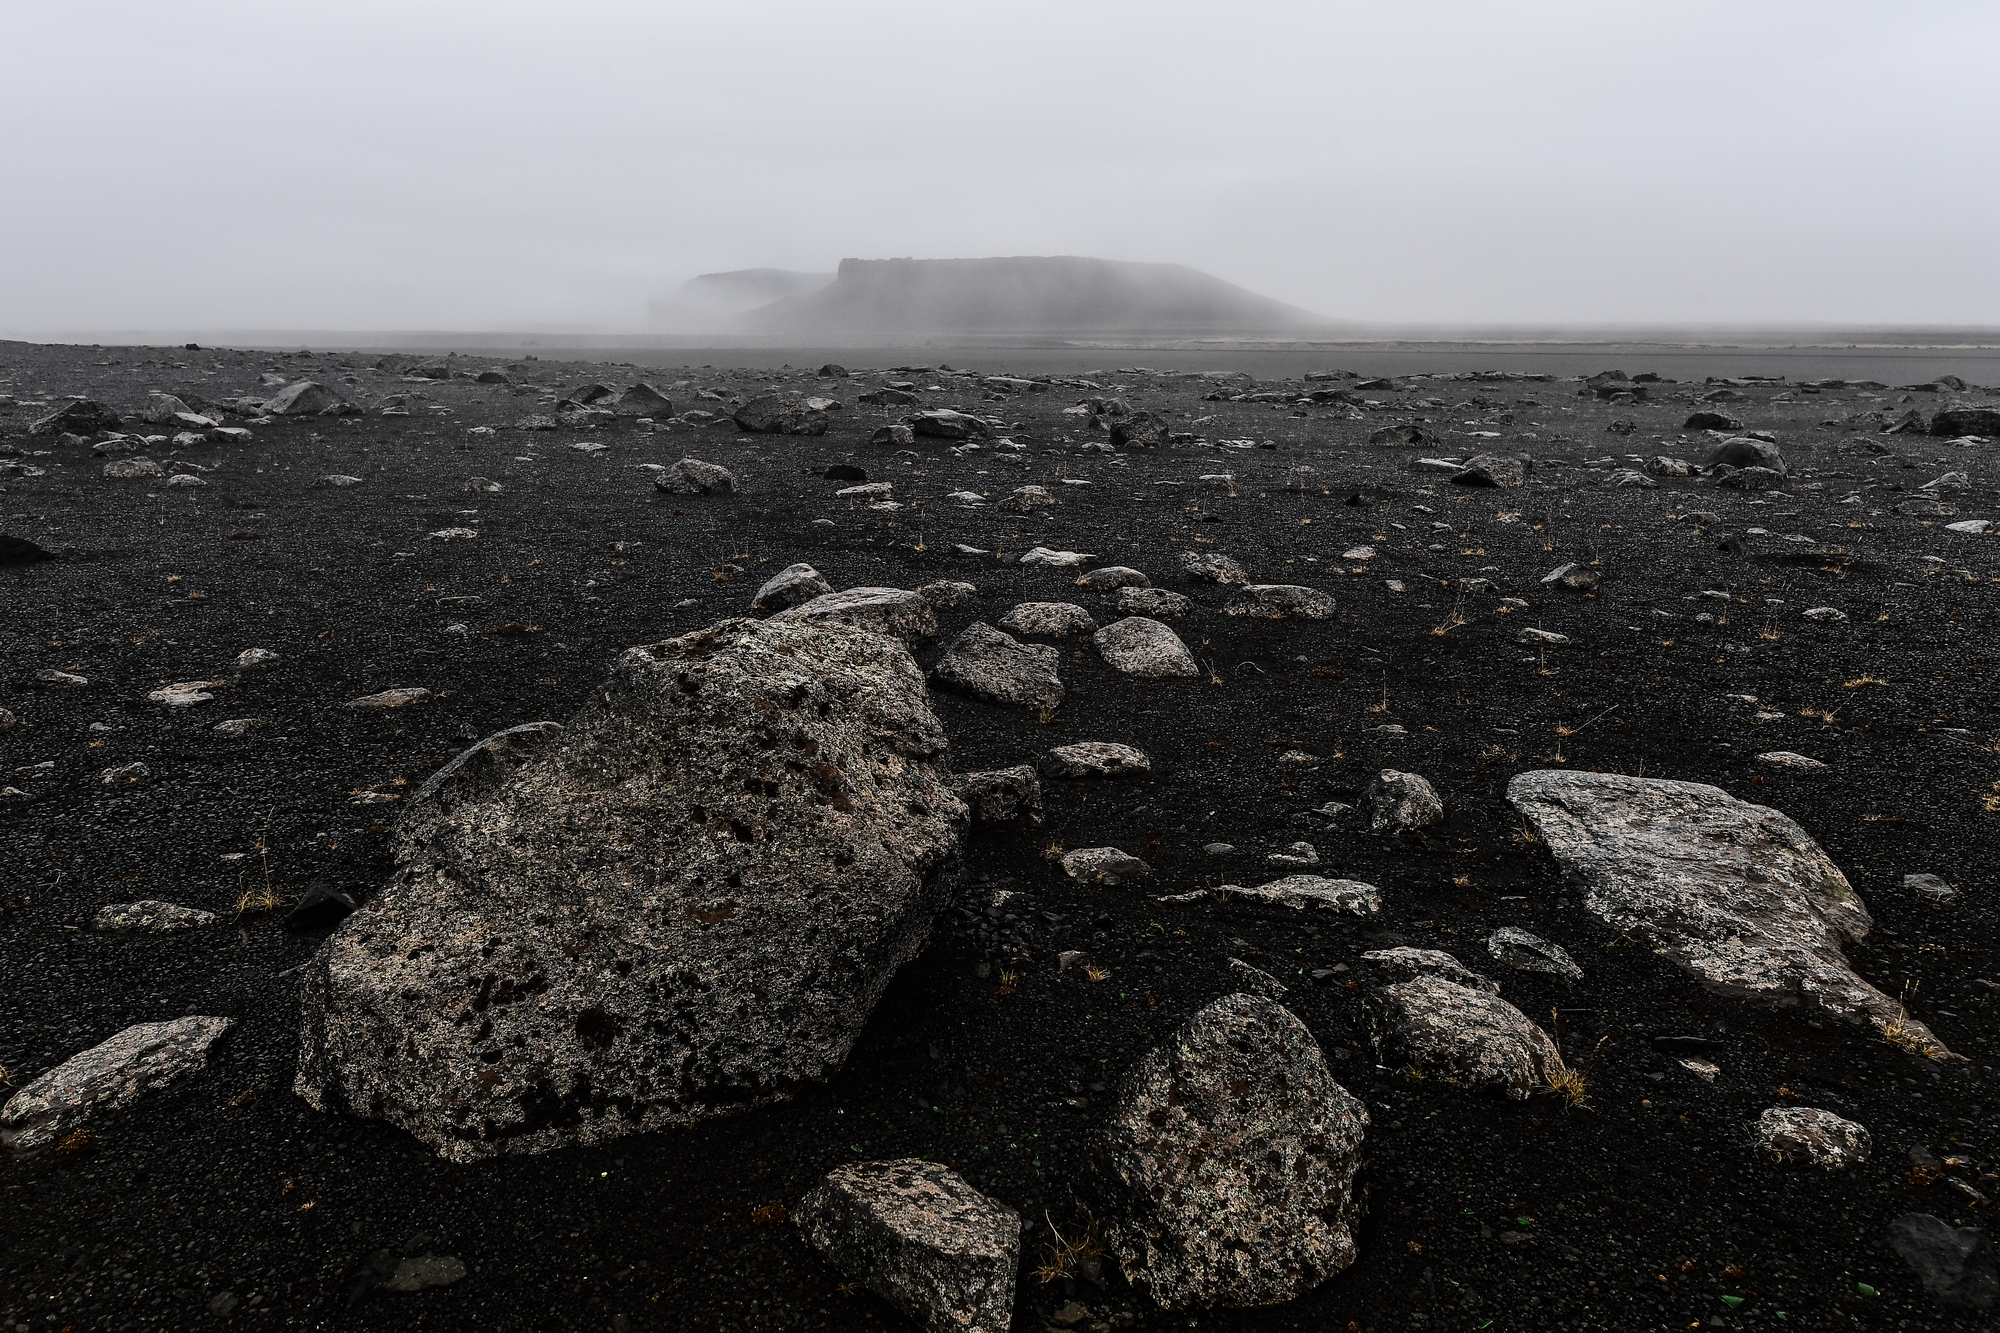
[997,667]
[1153,602]
[1752,479]
[1711,421]
[1228,1164]
[1661,465]
[790,586]
[944,424]
[1140,430]
[152,916]
[1787,759]
[1528,952]
[1504,471]
[1113,576]
[400,698]
[1467,1036]
[1743,451]
[998,795]
[1955,1264]
[915,1233]
[82,417]
[1094,759]
[1955,421]
[1104,865]
[1415,436]
[1300,892]
[1051,619]
[1395,801]
[1138,646]
[1931,889]
[779,414]
[112,1074]
[1042,555]
[1212,567]
[307,399]
[1404,963]
[945,594]
[1255,981]
[161,409]
[1735,893]
[1574,577]
[1026,500]
[680,906]
[691,476]
[1808,1134]
[1281,601]
[896,612]
[895,433]
[643,400]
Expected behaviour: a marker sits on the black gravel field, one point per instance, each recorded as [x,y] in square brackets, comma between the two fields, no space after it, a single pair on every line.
[224,1200]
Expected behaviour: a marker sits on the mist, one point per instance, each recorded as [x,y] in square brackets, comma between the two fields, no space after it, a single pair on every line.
[507,166]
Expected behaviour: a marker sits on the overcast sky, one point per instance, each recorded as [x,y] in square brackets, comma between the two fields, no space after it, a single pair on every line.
[488,165]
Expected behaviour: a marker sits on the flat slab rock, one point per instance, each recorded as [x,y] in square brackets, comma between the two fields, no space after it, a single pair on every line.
[1735,893]
[1300,892]
[896,612]
[680,905]
[1808,1134]
[1051,619]
[111,1074]
[992,665]
[151,915]
[1094,759]
[1468,1037]
[1139,646]
[1228,1163]
[917,1234]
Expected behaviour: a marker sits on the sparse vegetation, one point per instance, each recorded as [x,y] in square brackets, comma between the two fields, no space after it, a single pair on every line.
[1061,1259]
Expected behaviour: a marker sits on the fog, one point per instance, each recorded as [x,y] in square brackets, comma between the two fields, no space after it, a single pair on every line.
[488,165]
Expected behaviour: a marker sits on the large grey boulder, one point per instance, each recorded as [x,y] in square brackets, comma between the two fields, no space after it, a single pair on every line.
[1104,865]
[1281,601]
[111,1074]
[915,1233]
[896,612]
[1467,1036]
[780,414]
[1742,451]
[790,586]
[991,665]
[1735,893]
[307,399]
[1228,1164]
[679,906]
[1139,646]
[1808,1134]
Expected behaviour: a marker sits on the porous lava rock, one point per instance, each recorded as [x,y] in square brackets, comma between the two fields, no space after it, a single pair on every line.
[1808,1134]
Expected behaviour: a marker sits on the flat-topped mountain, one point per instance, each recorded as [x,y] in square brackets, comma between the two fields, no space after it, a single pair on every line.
[1027,294]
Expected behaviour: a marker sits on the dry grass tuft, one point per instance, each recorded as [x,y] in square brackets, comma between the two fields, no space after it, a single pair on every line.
[1571,1082]
[1061,1259]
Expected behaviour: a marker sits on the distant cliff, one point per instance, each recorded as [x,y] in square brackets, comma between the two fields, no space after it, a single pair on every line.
[1026,294]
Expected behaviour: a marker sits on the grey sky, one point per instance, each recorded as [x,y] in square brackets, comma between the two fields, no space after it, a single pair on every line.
[486,165]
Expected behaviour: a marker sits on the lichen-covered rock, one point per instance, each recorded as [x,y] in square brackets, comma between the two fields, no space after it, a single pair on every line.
[149,914]
[1302,892]
[1466,1036]
[1105,865]
[790,586]
[1808,1134]
[1155,602]
[1529,952]
[915,1233]
[1212,567]
[997,667]
[1049,619]
[1138,646]
[679,906]
[1396,801]
[1501,471]
[780,414]
[1228,1164]
[111,1074]
[691,476]
[1094,759]
[1281,601]
[1403,963]
[1026,500]
[895,612]
[1736,893]
[997,795]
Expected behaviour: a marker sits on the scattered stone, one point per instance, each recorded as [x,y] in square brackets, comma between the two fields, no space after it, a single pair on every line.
[115,1073]
[643,400]
[1805,1133]
[482,486]
[339,481]
[1026,499]
[570,1001]
[1395,802]
[779,414]
[386,699]
[128,469]
[235,726]
[1972,526]
[1138,646]
[1229,1161]
[1797,763]
[125,775]
[691,476]
[1413,436]
[1298,856]
[1042,555]
[1547,636]
[1736,893]
[1255,981]
[998,795]
[1104,865]
[1094,759]
[1465,1035]
[1955,1264]
[991,665]
[424,1271]
[1660,465]
[1954,421]
[1757,479]
[790,586]
[896,612]
[307,399]
[1404,963]
[944,424]
[946,594]
[1527,952]
[1281,601]
[8,721]
[68,680]
[1300,892]
[1112,577]
[1053,619]
[871,490]
[915,1233]
[1574,577]
[1212,567]
[1931,889]
[1711,421]
[1154,602]
[1504,471]
[151,915]
[891,434]
[1826,613]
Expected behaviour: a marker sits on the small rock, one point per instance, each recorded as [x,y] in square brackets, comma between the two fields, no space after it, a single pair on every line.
[1826,613]
[942,423]
[112,1074]
[868,490]
[424,1271]
[1574,577]
[991,665]
[998,795]
[253,659]
[1547,636]
[1805,1133]
[68,680]
[1661,465]
[397,698]
[1042,555]
[1140,430]
[1298,856]
[1955,1264]
[82,417]
[1094,759]
[918,1235]
[1112,577]
[1711,421]
[892,434]
[1931,889]
[1281,601]
[779,414]
[1971,526]
[152,916]
[1503,471]
[1527,952]
[1756,479]
[1395,802]
[306,399]
[339,481]
[691,476]
[1026,499]
[1797,763]
[1153,602]
[235,726]
[1212,567]
[1139,646]
[1300,892]
[1051,619]
[643,400]
[1467,1036]
[126,469]
[1104,865]
[127,775]
[790,586]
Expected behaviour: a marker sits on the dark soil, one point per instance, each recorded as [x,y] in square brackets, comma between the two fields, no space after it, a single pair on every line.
[1640,1211]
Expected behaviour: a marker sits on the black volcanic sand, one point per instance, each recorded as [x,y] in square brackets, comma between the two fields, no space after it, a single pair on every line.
[1640,1211]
